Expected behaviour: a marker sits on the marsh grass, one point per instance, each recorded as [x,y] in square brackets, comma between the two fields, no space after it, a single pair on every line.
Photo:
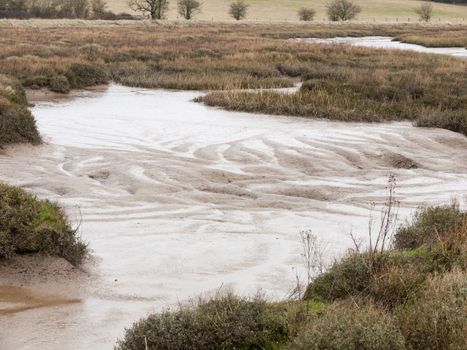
[341,83]
[355,84]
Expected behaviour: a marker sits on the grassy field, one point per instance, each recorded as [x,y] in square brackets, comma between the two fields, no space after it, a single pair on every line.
[286,10]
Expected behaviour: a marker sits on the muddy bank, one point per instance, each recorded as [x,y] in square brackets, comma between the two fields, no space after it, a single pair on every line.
[177,199]
[34,281]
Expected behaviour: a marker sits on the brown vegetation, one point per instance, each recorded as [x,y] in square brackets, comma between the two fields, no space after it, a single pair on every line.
[354,84]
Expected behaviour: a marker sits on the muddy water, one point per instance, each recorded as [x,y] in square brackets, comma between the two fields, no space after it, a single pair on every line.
[382,42]
[177,199]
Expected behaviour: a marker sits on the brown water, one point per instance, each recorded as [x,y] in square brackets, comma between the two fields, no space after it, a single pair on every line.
[177,199]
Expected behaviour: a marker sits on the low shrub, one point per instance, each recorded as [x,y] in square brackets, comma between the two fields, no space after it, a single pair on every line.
[60,84]
[346,326]
[91,51]
[16,122]
[389,279]
[12,90]
[451,251]
[397,275]
[82,75]
[436,318]
[36,82]
[455,121]
[29,225]
[428,226]
[350,276]
[222,322]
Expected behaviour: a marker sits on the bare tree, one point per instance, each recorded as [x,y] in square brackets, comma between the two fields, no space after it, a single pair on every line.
[306,14]
[98,7]
[155,8]
[80,8]
[188,8]
[342,10]
[238,9]
[425,12]
[13,5]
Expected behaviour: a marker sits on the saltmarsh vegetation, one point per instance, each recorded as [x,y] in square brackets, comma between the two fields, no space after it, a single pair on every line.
[29,225]
[224,321]
[398,294]
[343,83]
[357,84]
[17,125]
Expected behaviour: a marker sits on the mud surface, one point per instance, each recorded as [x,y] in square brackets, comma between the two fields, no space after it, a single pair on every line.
[176,199]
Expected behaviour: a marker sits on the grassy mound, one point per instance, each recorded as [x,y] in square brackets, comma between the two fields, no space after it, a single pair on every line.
[223,322]
[17,123]
[29,225]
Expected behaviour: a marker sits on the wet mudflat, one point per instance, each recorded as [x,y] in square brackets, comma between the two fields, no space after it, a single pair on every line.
[177,199]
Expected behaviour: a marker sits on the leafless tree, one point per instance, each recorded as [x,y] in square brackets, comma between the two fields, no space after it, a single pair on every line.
[342,10]
[425,12]
[238,9]
[155,8]
[188,8]
[13,5]
[98,7]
